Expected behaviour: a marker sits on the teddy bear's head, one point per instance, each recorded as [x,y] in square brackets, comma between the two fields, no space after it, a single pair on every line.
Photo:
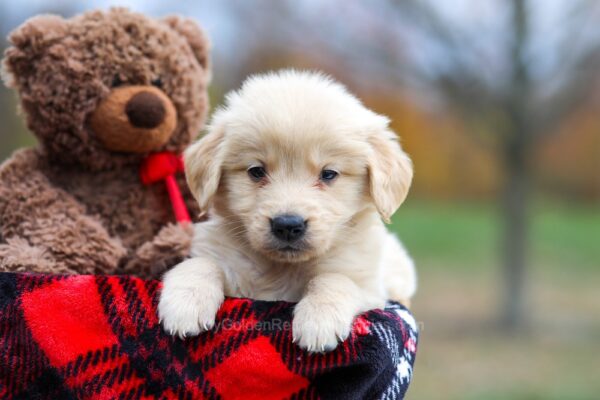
[103,89]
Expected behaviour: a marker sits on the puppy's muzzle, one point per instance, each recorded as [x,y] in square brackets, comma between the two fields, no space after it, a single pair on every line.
[288,227]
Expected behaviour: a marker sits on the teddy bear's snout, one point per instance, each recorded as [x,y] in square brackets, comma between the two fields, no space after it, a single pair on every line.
[134,119]
[145,110]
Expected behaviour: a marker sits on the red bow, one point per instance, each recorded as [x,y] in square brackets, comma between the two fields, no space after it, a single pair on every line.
[163,166]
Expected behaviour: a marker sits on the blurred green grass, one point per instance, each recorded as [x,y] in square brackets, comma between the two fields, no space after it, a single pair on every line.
[462,352]
[468,235]
[439,234]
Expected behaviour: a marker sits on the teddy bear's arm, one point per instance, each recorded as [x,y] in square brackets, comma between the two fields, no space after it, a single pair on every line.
[169,247]
[41,220]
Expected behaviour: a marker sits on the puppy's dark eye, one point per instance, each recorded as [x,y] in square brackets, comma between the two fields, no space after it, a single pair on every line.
[257,173]
[328,175]
[157,82]
[117,81]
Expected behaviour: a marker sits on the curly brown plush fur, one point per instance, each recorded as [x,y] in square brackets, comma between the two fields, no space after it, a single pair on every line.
[76,203]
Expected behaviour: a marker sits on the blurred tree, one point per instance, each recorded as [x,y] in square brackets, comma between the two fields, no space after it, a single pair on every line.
[512,69]
[519,103]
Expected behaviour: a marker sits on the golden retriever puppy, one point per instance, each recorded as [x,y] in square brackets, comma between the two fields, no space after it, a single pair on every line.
[297,175]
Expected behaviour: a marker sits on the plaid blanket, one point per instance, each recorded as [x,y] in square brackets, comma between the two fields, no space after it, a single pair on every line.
[98,337]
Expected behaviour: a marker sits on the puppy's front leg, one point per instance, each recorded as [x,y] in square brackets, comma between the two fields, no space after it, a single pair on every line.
[191,296]
[325,314]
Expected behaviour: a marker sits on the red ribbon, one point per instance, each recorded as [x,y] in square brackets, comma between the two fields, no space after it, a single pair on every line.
[163,167]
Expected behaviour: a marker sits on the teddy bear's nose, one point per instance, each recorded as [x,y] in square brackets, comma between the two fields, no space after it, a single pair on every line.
[145,110]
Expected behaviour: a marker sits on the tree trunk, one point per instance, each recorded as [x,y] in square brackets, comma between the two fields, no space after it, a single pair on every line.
[516,151]
[514,212]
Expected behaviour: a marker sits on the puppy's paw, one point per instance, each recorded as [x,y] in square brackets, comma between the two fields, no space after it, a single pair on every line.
[319,327]
[186,311]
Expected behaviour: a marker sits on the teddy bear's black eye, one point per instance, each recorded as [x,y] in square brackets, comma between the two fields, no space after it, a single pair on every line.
[117,81]
[157,82]
[257,173]
[328,175]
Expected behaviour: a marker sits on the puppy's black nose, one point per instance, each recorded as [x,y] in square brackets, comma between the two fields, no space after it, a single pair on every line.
[288,227]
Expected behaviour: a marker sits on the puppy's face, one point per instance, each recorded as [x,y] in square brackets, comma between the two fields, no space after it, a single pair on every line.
[291,160]
[295,191]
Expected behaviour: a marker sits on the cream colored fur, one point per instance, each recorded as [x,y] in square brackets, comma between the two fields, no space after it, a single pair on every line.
[294,124]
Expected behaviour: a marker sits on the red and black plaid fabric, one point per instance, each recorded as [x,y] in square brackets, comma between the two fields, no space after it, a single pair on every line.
[98,337]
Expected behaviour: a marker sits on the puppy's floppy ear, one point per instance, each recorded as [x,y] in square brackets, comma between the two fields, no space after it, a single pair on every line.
[390,172]
[203,161]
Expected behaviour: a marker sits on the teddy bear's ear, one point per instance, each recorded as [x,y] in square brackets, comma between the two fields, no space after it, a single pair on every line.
[194,35]
[28,41]
[37,32]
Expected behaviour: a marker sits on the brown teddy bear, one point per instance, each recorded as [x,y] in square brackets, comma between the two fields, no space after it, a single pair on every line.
[101,91]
